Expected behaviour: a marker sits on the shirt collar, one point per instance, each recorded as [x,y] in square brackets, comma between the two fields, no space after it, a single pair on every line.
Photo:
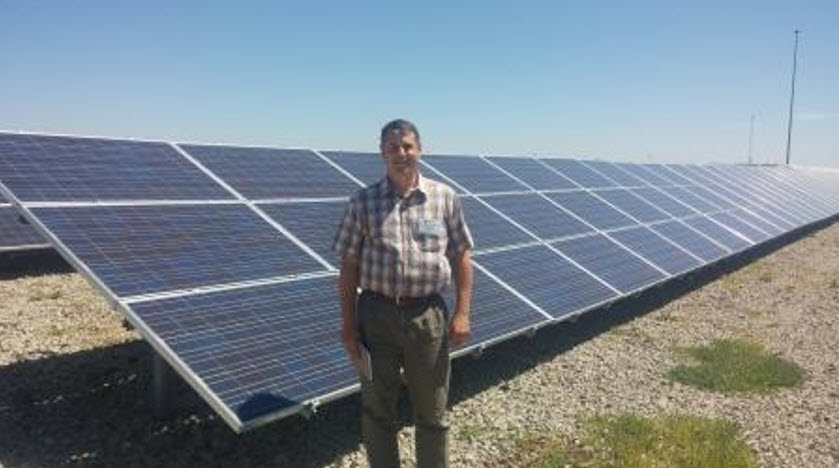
[421,187]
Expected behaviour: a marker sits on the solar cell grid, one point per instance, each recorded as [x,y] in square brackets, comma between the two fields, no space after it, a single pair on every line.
[690,240]
[46,168]
[689,199]
[15,233]
[613,172]
[733,222]
[758,222]
[148,249]
[533,173]
[260,349]
[663,173]
[496,311]
[551,282]
[265,173]
[578,172]
[367,167]
[593,211]
[639,171]
[473,173]
[664,202]
[537,215]
[314,223]
[488,228]
[717,232]
[778,220]
[656,249]
[633,205]
[702,193]
[610,262]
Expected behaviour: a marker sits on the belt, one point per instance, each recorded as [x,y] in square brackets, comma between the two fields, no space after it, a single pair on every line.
[401,302]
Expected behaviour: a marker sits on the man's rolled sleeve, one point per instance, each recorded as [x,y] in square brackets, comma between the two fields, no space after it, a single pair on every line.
[349,235]
[460,239]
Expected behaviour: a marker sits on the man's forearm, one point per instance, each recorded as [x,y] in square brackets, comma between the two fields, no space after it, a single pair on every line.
[464,278]
[348,289]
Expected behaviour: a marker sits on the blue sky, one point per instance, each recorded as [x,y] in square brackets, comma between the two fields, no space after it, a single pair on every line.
[642,81]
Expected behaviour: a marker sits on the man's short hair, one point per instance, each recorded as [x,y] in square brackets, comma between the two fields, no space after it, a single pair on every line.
[401,127]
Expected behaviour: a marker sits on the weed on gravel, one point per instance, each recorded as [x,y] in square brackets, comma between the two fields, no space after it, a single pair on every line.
[633,441]
[731,366]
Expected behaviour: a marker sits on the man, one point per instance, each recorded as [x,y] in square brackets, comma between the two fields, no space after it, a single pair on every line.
[401,240]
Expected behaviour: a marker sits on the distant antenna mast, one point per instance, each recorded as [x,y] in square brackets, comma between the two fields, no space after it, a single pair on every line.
[751,136]
[792,93]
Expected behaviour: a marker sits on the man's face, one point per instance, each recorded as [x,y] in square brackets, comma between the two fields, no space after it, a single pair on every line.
[401,152]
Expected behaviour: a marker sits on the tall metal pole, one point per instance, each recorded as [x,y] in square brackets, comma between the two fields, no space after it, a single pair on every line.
[751,136]
[792,93]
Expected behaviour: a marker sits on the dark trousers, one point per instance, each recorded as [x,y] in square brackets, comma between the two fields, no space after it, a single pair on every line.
[413,338]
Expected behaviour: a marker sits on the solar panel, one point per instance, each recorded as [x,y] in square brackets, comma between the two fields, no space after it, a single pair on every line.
[702,193]
[488,228]
[655,248]
[578,172]
[661,172]
[15,234]
[46,168]
[611,262]
[746,191]
[496,312]
[758,222]
[644,173]
[613,172]
[533,173]
[689,199]
[537,215]
[551,282]
[633,205]
[690,240]
[258,350]
[473,173]
[367,167]
[738,198]
[314,223]
[732,221]
[771,216]
[595,212]
[265,173]
[664,202]
[148,249]
[718,233]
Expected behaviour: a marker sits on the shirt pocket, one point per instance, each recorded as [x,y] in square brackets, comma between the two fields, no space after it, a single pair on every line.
[430,240]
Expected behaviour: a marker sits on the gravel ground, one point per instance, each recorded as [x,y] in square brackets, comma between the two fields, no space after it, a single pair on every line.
[74,384]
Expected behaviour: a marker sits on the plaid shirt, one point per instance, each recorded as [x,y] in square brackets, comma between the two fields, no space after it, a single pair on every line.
[403,243]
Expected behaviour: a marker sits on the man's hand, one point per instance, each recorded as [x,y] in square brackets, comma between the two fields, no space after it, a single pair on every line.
[350,339]
[460,329]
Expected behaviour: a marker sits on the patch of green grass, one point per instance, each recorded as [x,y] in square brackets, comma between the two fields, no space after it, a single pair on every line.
[472,433]
[631,441]
[635,442]
[731,366]
[39,296]
[60,331]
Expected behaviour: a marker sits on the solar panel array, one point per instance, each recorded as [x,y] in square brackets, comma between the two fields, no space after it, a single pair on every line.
[15,233]
[221,255]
